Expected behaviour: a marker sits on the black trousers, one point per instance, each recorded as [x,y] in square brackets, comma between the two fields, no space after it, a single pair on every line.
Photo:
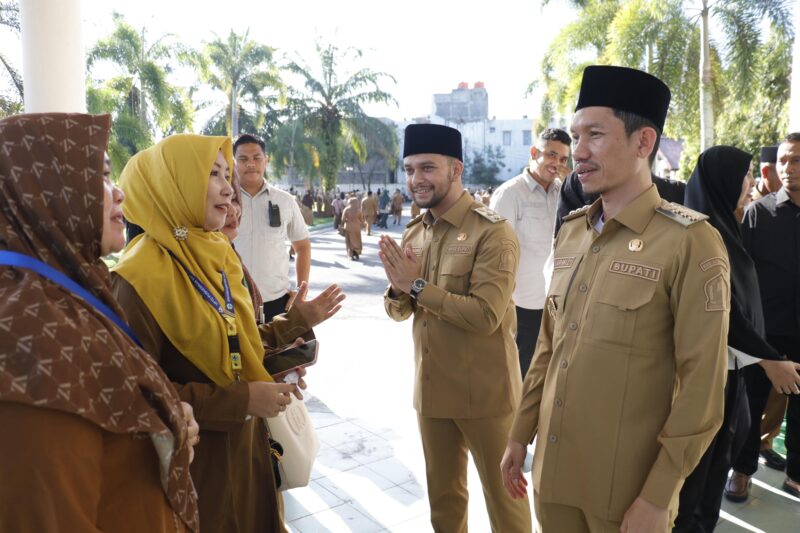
[701,495]
[275,307]
[528,323]
[758,386]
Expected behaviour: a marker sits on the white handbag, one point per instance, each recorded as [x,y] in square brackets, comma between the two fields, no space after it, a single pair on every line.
[295,433]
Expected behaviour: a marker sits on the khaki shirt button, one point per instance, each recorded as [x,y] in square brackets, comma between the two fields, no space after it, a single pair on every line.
[595,248]
[564,363]
[553,438]
[583,287]
[573,326]
[424,323]
[559,403]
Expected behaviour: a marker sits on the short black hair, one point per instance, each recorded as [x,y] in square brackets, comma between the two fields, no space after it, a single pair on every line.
[556,134]
[634,122]
[247,138]
[793,137]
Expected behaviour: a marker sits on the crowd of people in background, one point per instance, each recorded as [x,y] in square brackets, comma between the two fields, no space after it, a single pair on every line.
[637,328]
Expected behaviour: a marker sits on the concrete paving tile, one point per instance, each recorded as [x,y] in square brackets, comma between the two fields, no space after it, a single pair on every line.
[415,488]
[342,519]
[394,470]
[392,506]
[305,501]
[331,460]
[341,433]
[355,484]
[420,524]
[367,450]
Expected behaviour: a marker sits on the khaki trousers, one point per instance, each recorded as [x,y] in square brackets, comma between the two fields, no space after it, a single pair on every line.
[557,518]
[774,413]
[445,442]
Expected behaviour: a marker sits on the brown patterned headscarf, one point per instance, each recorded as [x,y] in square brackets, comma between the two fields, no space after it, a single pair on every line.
[56,350]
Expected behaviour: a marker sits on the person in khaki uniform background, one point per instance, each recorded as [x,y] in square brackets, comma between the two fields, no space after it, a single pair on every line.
[455,273]
[369,206]
[625,390]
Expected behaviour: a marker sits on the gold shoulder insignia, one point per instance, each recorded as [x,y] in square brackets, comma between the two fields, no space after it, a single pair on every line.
[680,214]
[575,213]
[488,214]
[415,220]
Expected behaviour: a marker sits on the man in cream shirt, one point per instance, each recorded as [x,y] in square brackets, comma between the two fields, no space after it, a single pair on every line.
[529,203]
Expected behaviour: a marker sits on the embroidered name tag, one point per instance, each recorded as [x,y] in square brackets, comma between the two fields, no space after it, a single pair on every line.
[636,270]
[459,249]
[563,262]
[417,250]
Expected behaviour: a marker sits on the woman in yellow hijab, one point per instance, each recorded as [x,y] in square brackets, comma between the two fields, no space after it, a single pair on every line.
[180,283]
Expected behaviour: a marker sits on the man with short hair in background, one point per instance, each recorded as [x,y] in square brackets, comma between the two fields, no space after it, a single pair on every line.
[369,206]
[270,217]
[529,202]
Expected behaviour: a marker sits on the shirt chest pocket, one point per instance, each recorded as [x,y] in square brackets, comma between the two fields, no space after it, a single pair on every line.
[563,274]
[532,210]
[454,273]
[615,305]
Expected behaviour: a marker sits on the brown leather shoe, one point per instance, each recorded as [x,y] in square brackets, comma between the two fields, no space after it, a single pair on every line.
[737,489]
[792,487]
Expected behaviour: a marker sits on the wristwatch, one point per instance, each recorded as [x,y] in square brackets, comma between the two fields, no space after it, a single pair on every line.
[416,287]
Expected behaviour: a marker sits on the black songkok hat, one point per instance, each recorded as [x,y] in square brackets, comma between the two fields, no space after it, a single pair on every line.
[432,139]
[625,89]
[769,154]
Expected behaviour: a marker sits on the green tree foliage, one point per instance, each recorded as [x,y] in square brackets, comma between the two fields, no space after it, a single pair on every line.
[294,151]
[11,90]
[330,103]
[483,167]
[246,73]
[370,147]
[143,103]
[663,37]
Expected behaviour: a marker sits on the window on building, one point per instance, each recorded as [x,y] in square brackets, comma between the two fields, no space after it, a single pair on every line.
[491,129]
[507,138]
[526,138]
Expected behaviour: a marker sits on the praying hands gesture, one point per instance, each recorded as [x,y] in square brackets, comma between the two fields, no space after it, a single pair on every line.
[401,266]
[320,308]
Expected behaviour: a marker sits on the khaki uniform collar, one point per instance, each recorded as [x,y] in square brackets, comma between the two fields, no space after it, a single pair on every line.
[636,215]
[455,215]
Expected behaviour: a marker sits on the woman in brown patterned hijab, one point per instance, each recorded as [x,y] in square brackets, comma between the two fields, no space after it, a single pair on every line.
[94,437]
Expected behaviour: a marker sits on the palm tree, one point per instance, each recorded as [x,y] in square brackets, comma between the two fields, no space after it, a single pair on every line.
[294,150]
[246,73]
[371,145]
[10,103]
[141,99]
[331,106]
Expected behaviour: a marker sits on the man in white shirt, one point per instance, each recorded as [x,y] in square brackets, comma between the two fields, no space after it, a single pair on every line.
[529,203]
[270,217]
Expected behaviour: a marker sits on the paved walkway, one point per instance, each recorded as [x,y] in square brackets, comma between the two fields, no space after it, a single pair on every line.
[370,473]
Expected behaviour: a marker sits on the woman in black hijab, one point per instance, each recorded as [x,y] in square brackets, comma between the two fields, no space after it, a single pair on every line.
[715,187]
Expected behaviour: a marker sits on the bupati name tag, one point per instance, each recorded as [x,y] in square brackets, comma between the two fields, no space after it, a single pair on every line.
[459,249]
[636,270]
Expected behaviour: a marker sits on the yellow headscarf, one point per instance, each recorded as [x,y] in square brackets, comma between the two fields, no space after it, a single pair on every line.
[165,187]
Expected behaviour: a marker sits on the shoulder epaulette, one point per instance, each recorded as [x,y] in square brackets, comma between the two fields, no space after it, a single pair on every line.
[415,220]
[488,214]
[680,214]
[575,213]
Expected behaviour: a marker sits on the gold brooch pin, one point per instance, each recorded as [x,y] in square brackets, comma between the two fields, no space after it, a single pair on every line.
[461,237]
[635,245]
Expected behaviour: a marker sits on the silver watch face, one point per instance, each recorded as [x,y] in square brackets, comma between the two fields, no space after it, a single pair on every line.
[419,284]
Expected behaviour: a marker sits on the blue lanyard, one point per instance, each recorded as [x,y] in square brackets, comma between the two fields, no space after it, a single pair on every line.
[228,314]
[14,259]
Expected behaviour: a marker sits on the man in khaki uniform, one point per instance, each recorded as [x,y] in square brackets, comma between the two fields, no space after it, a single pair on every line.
[369,206]
[455,273]
[625,390]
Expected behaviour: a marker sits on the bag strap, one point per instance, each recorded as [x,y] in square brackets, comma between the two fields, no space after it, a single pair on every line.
[17,260]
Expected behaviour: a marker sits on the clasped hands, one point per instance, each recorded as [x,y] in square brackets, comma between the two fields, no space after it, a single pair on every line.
[401,266]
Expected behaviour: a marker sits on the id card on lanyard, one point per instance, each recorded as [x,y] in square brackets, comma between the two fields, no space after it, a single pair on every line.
[228,314]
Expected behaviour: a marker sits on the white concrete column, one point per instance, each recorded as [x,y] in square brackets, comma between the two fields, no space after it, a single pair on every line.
[53,61]
[794,102]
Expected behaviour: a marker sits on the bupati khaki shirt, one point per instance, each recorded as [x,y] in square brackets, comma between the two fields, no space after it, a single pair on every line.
[625,391]
[464,320]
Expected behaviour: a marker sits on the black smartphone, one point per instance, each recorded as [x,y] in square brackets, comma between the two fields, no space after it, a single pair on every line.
[281,363]
[274,214]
